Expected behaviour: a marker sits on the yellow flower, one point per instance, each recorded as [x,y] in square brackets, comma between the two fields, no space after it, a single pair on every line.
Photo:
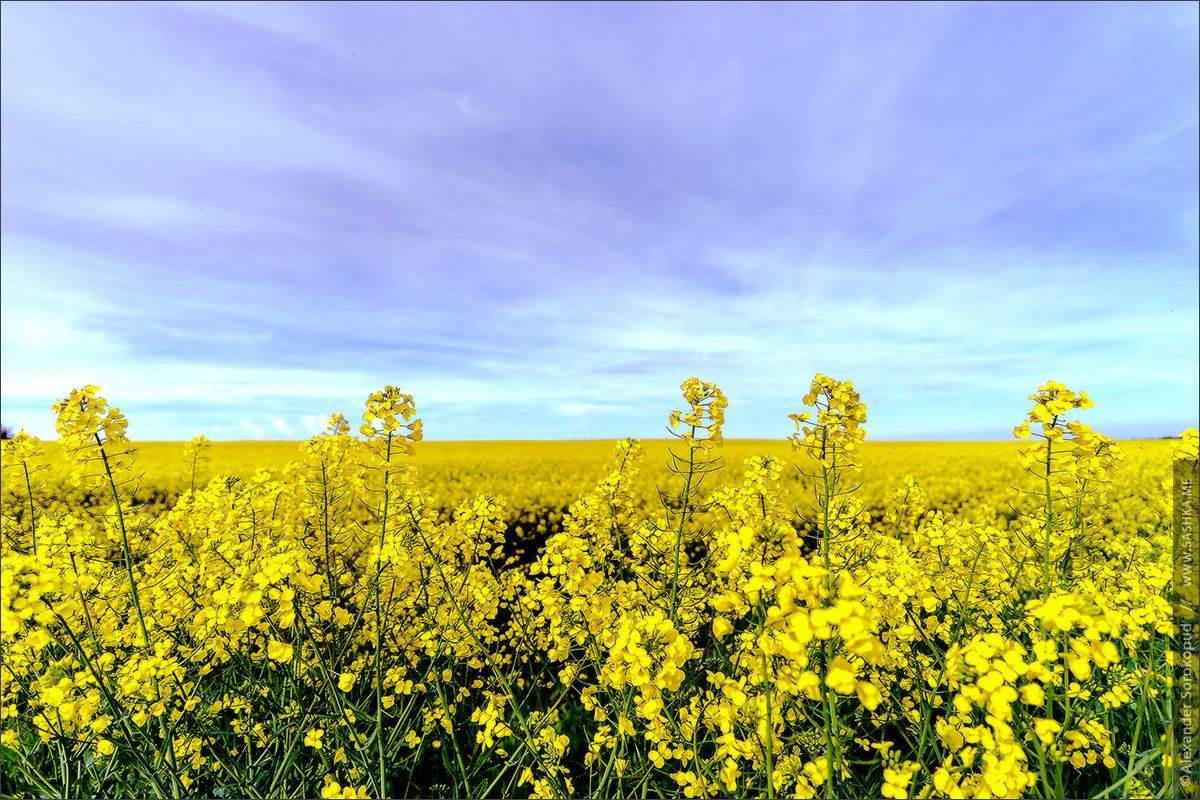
[950,736]
[868,695]
[840,676]
[279,651]
[388,412]
[1046,730]
[896,780]
[707,403]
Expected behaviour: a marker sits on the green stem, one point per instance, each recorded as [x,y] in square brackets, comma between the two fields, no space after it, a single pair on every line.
[1049,518]
[462,769]
[683,511]
[828,709]
[382,763]
[1133,744]
[125,549]
[32,515]
[829,713]
[137,606]
[325,521]
[768,745]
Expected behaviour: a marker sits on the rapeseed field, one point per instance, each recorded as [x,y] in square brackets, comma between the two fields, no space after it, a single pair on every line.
[368,615]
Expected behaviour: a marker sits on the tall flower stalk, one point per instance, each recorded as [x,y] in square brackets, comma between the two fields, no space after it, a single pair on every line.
[699,428]
[27,451]
[94,435]
[830,443]
[1073,466]
[388,433]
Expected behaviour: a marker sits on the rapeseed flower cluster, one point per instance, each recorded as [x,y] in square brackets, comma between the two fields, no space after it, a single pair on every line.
[703,420]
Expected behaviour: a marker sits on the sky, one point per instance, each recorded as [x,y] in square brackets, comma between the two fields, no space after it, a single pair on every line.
[539,219]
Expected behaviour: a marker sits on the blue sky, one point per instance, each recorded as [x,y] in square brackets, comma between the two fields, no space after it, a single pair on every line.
[539,219]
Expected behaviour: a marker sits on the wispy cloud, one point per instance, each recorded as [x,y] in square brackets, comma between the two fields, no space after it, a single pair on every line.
[539,219]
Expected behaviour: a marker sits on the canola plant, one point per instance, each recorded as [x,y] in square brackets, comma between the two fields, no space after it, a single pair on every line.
[330,628]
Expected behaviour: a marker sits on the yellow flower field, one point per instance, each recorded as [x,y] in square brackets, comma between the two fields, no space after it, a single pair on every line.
[369,615]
